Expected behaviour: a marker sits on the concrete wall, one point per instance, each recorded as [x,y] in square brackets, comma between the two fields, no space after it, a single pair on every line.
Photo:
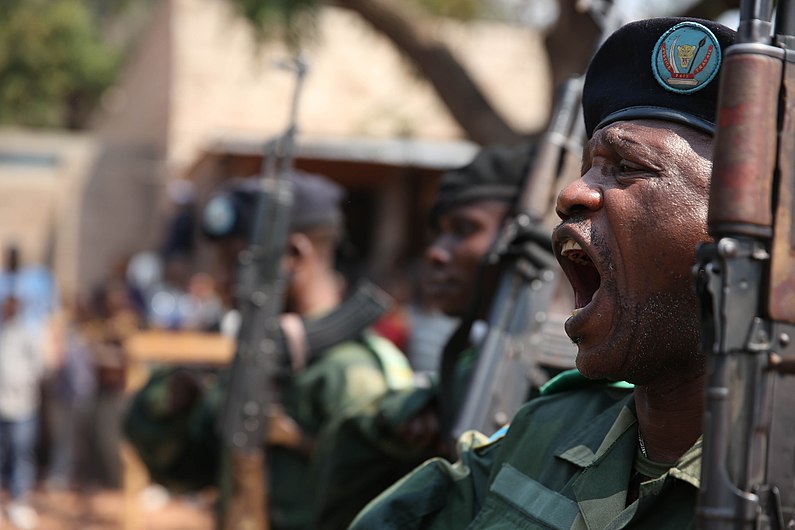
[42,175]
[122,200]
[358,83]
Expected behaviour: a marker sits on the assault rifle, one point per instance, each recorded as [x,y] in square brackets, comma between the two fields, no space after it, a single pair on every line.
[258,364]
[522,333]
[746,283]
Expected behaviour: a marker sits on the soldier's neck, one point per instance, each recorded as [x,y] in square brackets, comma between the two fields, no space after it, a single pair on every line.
[670,419]
[320,297]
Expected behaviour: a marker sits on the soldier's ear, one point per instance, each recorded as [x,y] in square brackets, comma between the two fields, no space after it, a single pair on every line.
[299,248]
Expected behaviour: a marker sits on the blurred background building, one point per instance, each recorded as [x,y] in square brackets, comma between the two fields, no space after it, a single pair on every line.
[198,97]
[188,89]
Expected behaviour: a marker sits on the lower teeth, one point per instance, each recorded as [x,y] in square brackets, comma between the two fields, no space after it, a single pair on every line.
[574,313]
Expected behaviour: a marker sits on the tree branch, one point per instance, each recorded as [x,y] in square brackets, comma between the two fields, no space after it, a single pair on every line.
[412,34]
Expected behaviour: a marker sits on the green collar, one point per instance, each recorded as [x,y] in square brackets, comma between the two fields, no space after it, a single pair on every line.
[588,446]
[606,451]
[604,435]
[574,380]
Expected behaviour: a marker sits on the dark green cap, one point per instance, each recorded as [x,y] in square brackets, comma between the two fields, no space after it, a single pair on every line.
[497,172]
[317,201]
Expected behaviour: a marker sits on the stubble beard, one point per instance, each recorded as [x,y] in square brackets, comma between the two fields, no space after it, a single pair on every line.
[650,342]
[660,339]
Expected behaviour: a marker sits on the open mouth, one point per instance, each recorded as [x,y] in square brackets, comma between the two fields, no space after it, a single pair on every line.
[581,272]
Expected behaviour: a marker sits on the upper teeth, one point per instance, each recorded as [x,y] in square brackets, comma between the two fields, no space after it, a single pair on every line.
[568,246]
[573,251]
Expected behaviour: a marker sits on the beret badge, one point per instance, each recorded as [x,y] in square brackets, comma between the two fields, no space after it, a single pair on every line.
[686,58]
[219,216]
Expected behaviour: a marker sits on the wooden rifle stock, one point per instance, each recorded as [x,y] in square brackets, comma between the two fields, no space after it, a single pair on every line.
[782,295]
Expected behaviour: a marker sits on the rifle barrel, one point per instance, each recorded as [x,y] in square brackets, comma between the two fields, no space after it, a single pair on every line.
[755,21]
[785,23]
[536,195]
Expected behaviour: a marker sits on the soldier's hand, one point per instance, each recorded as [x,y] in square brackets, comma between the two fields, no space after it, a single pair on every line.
[422,430]
[285,432]
[183,391]
[533,243]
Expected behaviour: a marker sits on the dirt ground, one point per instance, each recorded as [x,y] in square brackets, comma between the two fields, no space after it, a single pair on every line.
[102,510]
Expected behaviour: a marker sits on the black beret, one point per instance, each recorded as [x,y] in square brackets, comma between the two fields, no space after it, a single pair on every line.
[662,68]
[317,201]
[230,211]
[497,172]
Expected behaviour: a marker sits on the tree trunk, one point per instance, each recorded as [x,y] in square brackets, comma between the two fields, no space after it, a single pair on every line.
[413,35]
[570,43]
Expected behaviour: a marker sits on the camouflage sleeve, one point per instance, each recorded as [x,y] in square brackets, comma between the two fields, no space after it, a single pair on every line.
[366,451]
[181,448]
[362,453]
[347,377]
[437,495]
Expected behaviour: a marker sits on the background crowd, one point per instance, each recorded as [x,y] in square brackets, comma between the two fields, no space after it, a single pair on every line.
[63,362]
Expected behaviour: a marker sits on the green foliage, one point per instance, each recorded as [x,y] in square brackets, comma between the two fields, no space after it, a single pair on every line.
[292,20]
[463,9]
[53,63]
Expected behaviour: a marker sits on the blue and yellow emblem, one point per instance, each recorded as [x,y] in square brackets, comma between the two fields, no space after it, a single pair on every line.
[686,58]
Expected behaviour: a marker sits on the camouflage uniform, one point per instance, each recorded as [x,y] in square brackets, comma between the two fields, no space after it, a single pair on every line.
[363,452]
[348,375]
[564,463]
[182,451]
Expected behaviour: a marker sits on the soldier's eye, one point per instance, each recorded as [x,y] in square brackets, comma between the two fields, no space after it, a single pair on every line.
[626,166]
[464,228]
[629,172]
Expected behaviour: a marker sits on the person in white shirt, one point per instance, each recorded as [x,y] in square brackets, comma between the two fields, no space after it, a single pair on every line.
[22,368]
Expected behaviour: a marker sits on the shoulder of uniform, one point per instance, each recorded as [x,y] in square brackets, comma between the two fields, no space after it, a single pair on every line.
[350,344]
[501,432]
[570,380]
[392,361]
[574,380]
[478,442]
[373,339]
